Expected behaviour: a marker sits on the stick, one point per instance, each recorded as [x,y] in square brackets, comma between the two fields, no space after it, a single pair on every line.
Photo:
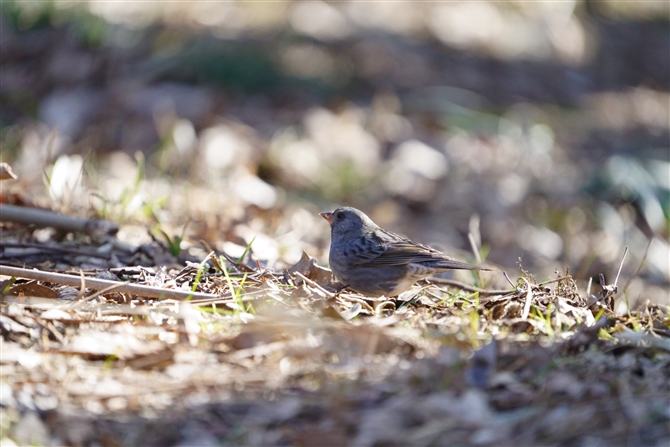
[45,218]
[475,250]
[101,284]
[68,250]
[313,284]
[509,280]
[529,299]
[625,252]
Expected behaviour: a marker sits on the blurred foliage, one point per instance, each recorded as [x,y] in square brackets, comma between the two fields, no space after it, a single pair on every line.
[645,185]
[524,131]
[244,111]
[88,29]
[27,16]
[247,69]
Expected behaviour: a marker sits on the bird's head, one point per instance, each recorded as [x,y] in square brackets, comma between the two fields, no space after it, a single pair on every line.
[348,223]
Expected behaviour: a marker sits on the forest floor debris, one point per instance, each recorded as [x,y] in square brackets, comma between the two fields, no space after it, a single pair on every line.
[277,358]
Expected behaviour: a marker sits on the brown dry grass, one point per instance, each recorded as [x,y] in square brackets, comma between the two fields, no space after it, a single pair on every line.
[280,358]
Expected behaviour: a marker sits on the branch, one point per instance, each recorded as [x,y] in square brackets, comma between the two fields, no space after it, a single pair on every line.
[101,284]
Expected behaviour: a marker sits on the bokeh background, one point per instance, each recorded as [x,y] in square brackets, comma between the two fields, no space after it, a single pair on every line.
[541,128]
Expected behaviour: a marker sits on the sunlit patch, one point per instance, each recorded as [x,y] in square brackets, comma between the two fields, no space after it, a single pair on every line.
[308,61]
[626,110]
[541,241]
[320,20]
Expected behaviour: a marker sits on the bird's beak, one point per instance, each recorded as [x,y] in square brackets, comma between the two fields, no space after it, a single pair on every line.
[328,217]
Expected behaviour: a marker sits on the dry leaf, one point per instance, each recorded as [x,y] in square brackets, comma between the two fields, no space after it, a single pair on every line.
[6,172]
[32,288]
[308,267]
[103,344]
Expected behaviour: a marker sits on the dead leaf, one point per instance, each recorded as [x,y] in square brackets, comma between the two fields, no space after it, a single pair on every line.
[32,288]
[103,344]
[308,267]
[154,360]
[6,172]
[56,314]
[253,335]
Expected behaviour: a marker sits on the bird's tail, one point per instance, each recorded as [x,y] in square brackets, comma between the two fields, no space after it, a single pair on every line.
[458,265]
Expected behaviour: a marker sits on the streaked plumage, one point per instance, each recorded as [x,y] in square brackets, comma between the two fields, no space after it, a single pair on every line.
[374,261]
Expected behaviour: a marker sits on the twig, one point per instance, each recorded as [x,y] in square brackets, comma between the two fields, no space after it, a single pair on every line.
[509,280]
[100,284]
[82,288]
[478,257]
[475,250]
[98,293]
[350,298]
[379,307]
[623,258]
[211,255]
[551,281]
[313,284]
[529,298]
[239,266]
[609,290]
[46,218]
[45,247]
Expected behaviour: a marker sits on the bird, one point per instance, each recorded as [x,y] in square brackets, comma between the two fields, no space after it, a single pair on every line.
[376,262]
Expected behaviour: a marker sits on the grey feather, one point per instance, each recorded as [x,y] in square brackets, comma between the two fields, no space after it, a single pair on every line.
[374,261]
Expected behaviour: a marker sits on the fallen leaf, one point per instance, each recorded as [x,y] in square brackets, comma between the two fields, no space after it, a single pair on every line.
[103,344]
[6,172]
[308,267]
[32,288]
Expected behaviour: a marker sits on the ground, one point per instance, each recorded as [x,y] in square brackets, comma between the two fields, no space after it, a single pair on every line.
[163,263]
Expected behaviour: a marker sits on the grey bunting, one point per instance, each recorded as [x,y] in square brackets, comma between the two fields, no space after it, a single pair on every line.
[374,262]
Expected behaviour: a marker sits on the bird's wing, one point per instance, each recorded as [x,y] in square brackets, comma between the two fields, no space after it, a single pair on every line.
[384,249]
[364,250]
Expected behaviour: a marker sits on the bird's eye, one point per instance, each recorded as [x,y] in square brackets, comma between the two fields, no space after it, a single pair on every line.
[340,216]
